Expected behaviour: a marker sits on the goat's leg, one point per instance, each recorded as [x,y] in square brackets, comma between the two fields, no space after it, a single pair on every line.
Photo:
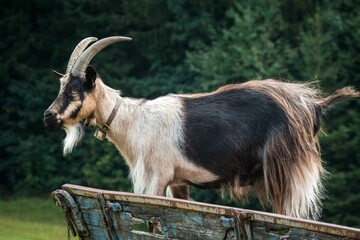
[180,191]
[156,187]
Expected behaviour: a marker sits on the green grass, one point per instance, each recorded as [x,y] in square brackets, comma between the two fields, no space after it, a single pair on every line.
[31,219]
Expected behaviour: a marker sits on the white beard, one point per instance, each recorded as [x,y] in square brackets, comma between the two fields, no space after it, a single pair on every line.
[74,134]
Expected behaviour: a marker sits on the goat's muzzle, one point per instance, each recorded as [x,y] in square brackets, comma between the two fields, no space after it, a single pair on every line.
[51,120]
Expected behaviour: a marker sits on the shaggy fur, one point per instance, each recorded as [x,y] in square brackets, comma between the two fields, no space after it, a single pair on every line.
[259,136]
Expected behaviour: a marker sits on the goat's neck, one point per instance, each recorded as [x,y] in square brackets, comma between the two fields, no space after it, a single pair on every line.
[105,101]
[106,98]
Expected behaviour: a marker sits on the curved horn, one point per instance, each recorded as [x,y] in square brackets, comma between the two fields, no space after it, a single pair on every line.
[78,51]
[85,58]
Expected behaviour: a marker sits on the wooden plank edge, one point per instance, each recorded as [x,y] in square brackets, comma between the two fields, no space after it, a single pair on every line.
[283,220]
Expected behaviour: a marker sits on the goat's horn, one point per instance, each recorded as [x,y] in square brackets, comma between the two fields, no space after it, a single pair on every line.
[78,51]
[85,58]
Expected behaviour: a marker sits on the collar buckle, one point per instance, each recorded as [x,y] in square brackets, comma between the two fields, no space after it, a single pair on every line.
[100,133]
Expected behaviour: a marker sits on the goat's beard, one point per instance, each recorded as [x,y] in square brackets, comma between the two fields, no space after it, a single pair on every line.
[74,134]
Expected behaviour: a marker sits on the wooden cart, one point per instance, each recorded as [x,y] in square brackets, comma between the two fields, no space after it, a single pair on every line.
[100,214]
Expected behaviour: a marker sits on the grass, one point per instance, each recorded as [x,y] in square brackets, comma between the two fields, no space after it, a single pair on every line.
[31,219]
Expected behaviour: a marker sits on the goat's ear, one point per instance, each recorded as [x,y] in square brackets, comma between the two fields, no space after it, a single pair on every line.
[57,74]
[90,75]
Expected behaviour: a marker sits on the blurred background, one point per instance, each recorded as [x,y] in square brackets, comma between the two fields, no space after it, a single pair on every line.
[178,47]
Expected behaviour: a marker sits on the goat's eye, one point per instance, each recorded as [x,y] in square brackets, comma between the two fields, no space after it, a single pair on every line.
[73,91]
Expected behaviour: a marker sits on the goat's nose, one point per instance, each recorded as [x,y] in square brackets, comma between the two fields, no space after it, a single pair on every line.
[48,113]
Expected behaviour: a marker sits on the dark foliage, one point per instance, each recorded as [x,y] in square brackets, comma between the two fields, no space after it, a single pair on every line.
[178,46]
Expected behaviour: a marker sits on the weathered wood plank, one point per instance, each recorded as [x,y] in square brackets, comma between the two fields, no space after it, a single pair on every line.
[116,215]
[263,230]
[176,223]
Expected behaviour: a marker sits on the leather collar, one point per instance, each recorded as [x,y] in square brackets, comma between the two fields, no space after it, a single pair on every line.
[100,133]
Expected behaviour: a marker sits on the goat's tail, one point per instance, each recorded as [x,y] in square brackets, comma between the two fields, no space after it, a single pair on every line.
[338,95]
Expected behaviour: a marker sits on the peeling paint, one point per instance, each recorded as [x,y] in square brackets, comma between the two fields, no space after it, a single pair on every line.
[101,214]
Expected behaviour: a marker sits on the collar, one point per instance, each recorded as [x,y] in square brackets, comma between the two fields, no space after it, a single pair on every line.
[100,133]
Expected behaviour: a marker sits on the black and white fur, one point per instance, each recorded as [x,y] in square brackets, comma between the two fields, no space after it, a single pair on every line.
[259,136]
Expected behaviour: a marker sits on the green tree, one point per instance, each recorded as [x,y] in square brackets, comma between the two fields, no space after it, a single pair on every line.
[251,48]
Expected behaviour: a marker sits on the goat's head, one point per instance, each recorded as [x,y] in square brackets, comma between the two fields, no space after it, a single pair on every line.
[76,100]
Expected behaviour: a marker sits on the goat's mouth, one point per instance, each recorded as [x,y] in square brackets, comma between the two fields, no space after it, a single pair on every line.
[53,122]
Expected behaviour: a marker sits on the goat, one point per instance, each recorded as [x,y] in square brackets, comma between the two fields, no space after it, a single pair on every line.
[258,136]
